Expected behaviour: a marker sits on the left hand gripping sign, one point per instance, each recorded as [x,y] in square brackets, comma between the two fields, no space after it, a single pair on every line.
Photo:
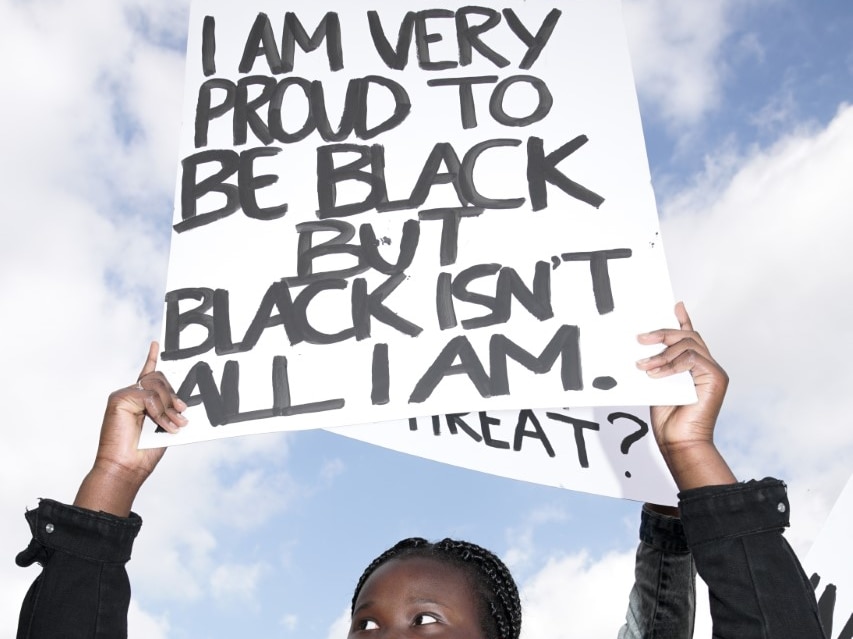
[390,211]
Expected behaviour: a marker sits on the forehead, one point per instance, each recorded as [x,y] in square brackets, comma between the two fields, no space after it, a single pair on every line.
[419,578]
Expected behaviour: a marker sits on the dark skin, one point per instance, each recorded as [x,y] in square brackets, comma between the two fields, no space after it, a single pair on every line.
[416,597]
[685,434]
[120,468]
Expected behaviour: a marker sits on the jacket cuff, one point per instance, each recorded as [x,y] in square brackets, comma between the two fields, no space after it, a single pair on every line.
[711,513]
[96,536]
[662,532]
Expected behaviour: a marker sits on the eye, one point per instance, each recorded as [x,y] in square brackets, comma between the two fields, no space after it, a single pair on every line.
[366,624]
[424,618]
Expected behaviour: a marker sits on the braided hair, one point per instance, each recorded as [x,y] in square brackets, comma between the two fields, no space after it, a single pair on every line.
[497,594]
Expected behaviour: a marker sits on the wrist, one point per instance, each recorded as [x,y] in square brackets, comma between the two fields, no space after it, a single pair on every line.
[109,488]
[696,464]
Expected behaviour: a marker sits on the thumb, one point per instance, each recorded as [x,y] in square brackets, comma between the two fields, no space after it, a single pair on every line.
[151,361]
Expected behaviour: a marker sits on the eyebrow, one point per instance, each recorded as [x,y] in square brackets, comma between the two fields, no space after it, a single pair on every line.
[415,600]
[361,607]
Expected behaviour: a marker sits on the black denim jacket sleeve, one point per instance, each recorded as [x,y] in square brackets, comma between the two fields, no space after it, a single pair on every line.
[758,589]
[662,602]
[83,591]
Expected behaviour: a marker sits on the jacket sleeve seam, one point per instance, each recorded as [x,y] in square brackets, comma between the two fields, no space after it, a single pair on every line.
[764,624]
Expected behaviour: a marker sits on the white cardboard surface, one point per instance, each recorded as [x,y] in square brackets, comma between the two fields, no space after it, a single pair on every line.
[221,270]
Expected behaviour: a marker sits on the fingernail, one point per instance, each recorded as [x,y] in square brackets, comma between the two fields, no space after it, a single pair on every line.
[645,360]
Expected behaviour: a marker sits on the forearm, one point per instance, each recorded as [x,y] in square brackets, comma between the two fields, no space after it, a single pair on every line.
[698,464]
[109,489]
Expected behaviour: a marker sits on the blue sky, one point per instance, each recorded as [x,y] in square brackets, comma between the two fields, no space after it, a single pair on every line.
[749,132]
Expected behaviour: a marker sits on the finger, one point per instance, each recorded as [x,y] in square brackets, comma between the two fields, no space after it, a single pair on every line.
[164,416]
[151,361]
[156,382]
[682,317]
[127,400]
[672,352]
[161,384]
[670,336]
[689,360]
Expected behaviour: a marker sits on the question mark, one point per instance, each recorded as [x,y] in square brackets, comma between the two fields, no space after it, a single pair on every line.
[634,437]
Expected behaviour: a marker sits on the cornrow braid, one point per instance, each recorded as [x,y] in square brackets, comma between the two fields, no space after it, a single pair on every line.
[500,605]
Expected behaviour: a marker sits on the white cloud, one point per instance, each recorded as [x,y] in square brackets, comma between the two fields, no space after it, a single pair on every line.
[290,622]
[778,113]
[340,627]
[90,149]
[762,259]
[522,548]
[676,52]
[240,498]
[179,544]
[574,597]
[142,625]
[331,470]
[236,582]
[67,117]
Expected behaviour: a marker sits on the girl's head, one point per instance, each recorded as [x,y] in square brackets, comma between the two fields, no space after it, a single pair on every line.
[462,588]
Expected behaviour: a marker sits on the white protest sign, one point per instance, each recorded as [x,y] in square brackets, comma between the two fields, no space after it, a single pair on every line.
[830,566]
[391,210]
[607,451]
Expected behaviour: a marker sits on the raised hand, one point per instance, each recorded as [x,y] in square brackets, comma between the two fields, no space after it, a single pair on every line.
[120,468]
[685,434]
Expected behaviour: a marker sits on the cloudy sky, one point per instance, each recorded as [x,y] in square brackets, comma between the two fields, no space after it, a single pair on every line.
[750,139]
